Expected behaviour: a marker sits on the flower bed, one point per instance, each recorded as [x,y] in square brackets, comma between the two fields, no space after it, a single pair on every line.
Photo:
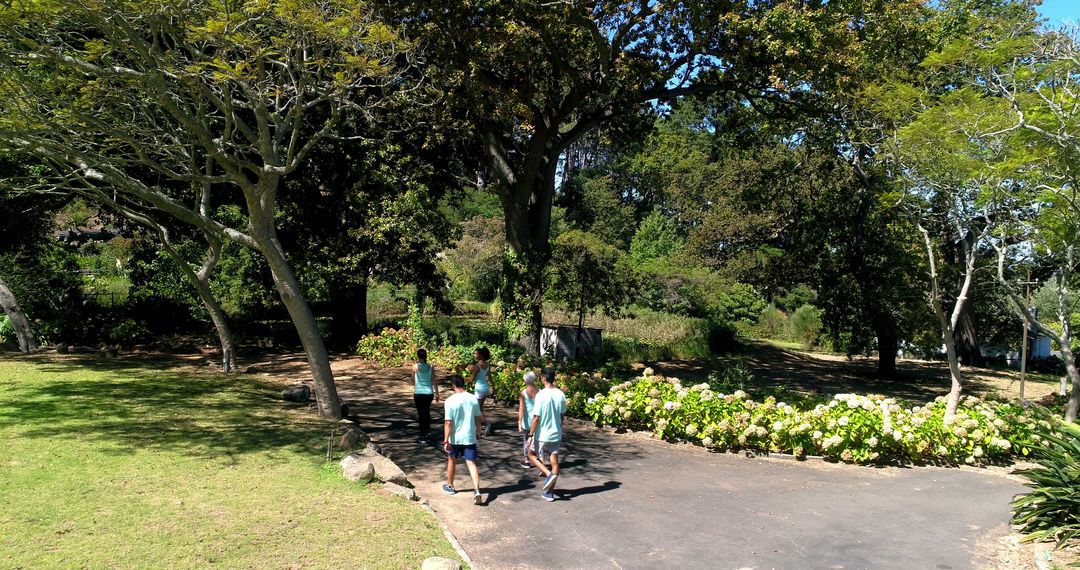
[849,427]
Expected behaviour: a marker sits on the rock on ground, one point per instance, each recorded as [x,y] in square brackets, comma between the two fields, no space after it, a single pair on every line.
[298,393]
[385,470]
[401,491]
[357,468]
[438,563]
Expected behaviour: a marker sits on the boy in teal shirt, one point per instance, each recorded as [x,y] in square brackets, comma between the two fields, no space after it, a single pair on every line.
[546,431]
[462,420]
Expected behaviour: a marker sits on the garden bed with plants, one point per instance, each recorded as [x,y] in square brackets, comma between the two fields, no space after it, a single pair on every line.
[721,415]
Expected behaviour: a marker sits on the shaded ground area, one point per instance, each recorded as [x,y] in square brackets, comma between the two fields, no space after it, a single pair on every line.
[630,502]
[626,501]
[919,380]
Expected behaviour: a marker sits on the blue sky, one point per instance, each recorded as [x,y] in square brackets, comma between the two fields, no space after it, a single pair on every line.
[1061,11]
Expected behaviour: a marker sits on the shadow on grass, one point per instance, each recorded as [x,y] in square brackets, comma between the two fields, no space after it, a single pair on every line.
[153,404]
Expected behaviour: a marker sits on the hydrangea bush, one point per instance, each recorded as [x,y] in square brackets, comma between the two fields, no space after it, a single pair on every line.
[721,415]
[848,427]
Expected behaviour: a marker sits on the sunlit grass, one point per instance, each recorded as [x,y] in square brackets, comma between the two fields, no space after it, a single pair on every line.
[124,465]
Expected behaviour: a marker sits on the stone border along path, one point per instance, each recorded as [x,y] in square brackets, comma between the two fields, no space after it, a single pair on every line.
[626,501]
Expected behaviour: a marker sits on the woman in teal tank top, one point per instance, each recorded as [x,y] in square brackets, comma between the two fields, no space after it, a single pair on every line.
[480,379]
[425,390]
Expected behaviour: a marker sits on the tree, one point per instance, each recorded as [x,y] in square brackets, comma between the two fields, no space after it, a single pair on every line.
[384,196]
[1036,78]
[589,275]
[149,100]
[19,322]
[533,78]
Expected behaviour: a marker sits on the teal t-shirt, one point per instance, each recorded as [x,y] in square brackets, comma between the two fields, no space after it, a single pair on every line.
[422,380]
[461,410]
[530,404]
[550,405]
[482,386]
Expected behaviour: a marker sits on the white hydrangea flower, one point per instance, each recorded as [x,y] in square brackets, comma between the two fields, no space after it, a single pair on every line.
[626,415]
[844,420]
[647,372]
[609,409]
[739,395]
[978,452]
[970,460]
[669,406]
[707,441]
[942,450]
[897,435]
[777,426]
[817,434]
[872,442]
[691,429]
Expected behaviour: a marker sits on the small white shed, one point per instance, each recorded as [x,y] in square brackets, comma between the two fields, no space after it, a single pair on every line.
[560,341]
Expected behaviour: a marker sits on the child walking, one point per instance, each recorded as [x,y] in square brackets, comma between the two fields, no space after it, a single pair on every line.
[525,414]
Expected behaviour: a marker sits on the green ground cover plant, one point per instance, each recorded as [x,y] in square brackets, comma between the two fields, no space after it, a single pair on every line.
[141,464]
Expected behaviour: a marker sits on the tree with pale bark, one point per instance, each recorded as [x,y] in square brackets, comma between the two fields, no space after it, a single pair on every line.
[1007,128]
[146,100]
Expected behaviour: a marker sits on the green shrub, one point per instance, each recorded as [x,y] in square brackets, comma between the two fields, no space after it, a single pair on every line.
[806,325]
[390,347]
[773,323]
[1051,511]
[7,330]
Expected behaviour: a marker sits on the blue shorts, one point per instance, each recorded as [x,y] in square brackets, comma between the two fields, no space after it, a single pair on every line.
[466,452]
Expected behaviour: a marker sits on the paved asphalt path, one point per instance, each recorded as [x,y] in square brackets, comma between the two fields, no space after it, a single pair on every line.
[625,501]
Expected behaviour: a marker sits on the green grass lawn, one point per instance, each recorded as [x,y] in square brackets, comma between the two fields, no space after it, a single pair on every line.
[132,464]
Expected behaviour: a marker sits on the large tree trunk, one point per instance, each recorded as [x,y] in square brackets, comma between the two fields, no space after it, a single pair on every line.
[527,199]
[1073,406]
[201,282]
[966,336]
[953,400]
[261,209]
[348,313]
[19,322]
[946,324]
[886,337]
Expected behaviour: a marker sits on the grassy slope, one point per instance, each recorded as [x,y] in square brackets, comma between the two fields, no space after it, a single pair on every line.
[121,465]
